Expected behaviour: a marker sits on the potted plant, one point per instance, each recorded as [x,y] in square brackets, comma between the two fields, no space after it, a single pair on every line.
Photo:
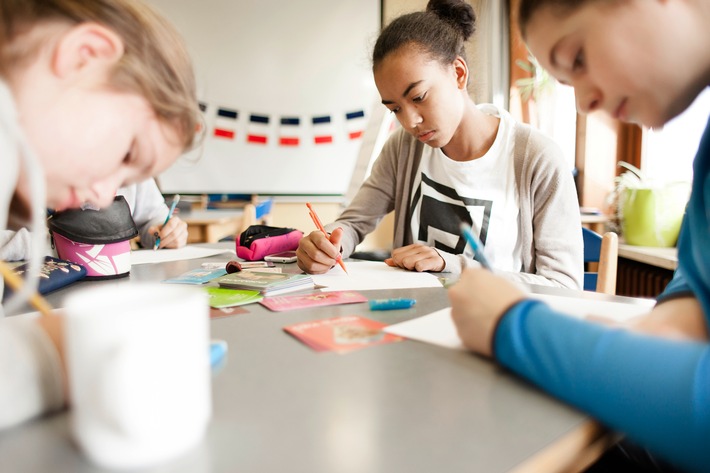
[536,94]
[648,212]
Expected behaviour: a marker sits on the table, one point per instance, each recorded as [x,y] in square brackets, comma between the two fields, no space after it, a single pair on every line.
[666,258]
[210,226]
[595,222]
[402,407]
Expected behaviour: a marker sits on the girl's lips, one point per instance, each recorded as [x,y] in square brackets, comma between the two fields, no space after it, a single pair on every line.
[425,136]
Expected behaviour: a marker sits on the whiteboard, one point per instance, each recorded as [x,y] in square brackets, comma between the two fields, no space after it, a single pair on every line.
[286,90]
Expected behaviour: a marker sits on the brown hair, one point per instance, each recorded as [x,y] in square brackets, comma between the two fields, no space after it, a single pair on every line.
[440,31]
[155,62]
[527,8]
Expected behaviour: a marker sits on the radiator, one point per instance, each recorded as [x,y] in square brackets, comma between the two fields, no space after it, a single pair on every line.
[636,279]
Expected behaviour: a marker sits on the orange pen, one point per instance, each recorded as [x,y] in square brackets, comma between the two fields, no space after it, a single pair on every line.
[319,225]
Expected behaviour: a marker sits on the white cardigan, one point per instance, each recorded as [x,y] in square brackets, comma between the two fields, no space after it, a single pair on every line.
[30,369]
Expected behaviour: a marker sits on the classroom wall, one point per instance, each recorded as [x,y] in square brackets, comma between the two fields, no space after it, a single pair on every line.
[286,91]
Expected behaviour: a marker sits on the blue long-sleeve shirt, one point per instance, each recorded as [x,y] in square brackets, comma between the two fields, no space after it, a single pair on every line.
[654,390]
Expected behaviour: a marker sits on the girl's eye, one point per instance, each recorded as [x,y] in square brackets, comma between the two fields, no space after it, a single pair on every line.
[394,110]
[578,62]
[419,98]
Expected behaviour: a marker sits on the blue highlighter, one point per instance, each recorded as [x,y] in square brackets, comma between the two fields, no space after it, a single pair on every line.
[476,246]
[218,351]
[392,304]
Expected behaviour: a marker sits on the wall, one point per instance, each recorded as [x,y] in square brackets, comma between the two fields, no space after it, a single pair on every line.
[286,90]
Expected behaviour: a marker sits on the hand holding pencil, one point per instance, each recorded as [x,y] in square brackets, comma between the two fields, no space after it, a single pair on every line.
[173,233]
[317,251]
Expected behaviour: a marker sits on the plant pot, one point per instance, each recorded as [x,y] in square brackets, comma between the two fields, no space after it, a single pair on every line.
[652,216]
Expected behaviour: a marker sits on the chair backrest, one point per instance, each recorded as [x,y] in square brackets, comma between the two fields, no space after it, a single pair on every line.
[603,250]
[256,213]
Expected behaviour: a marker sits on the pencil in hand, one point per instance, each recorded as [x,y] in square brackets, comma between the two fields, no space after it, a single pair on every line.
[176,199]
[319,225]
[476,245]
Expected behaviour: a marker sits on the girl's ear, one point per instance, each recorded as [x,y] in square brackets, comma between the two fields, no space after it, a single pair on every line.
[461,70]
[86,48]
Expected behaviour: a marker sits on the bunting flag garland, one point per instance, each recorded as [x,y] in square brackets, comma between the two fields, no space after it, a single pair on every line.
[226,123]
[355,124]
[258,132]
[261,128]
[322,130]
[290,131]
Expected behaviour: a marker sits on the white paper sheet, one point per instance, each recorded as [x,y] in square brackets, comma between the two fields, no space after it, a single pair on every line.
[438,328]
[365,275]
[164,255]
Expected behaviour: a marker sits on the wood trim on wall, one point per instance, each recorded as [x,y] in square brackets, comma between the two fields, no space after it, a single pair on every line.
[630,139]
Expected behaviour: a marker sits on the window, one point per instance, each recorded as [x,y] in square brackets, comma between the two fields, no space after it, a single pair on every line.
[667,154]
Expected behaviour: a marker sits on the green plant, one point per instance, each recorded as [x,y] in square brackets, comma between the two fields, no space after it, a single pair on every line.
[539,83]
[632,178]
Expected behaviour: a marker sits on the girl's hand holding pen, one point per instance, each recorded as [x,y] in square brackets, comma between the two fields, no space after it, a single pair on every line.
[173,234]
[478,300]
[318,254]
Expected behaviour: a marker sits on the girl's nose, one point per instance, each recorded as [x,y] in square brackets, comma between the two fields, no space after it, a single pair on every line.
[589,99]
[103,192]
[412,118]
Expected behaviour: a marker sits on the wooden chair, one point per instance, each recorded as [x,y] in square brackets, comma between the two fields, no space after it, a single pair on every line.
[603,252]
[256,213]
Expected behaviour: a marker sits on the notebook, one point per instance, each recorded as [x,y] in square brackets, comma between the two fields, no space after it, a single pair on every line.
[268,284]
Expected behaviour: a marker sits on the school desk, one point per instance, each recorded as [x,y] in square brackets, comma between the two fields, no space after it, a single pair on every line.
[210,226]
[595,223]
[402,407]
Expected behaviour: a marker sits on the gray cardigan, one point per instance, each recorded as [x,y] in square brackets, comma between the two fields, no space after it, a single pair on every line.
[550,224]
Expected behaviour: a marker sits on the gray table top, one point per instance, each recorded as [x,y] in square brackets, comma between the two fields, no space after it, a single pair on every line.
[280,406]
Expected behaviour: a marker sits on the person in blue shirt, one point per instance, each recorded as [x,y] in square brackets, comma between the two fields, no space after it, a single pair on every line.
[640,61]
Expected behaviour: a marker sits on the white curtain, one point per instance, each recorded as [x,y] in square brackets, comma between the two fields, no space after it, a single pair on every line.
[489,53]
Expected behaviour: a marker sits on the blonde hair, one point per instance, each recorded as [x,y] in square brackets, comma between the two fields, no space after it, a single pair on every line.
[155,62]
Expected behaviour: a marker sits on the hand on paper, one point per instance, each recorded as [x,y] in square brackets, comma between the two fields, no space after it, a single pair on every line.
[173,234]
[417,257]
[678,319]
[478,300]
[318,254]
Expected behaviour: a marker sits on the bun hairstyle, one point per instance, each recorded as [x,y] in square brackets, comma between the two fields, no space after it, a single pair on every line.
[441,31]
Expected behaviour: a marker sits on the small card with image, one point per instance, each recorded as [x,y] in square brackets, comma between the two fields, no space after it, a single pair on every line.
[197,276]
[341,334]
[302,301]
[221,297]
[226,312]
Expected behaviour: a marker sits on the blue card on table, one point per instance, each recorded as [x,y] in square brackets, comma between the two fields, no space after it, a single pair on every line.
[197,276]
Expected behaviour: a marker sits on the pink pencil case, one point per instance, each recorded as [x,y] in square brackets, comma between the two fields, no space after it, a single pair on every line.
[258,241]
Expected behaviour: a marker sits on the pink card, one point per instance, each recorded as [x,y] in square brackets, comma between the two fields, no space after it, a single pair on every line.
[341,334]
[301,301]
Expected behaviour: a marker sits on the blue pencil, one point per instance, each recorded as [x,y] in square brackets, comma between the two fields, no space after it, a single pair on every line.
[176,199]
[476,245]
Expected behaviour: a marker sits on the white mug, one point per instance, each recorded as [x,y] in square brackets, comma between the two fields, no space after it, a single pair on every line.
[139,371]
